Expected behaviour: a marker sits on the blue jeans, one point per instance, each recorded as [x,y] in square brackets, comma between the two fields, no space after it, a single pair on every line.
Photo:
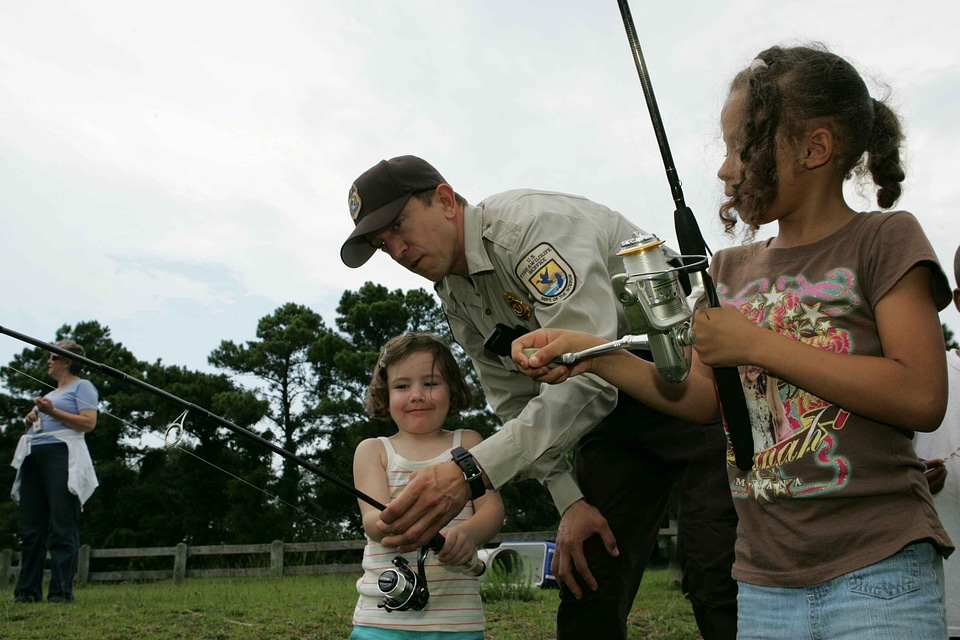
[49,521]
[899,598]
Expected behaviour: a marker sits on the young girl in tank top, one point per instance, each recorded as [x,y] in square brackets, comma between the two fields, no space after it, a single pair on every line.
[418,384]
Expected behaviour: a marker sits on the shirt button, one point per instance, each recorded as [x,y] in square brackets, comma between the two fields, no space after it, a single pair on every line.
[487,311]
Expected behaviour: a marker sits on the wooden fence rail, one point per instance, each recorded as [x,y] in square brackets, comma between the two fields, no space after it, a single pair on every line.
[276,550]
[181,553]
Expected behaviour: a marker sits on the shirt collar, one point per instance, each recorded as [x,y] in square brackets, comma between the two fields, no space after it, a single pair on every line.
[477,259]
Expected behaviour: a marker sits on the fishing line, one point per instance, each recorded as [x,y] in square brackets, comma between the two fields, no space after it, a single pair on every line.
[223,422]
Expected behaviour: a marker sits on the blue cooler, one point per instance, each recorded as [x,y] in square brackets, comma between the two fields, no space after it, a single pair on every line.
[526,559]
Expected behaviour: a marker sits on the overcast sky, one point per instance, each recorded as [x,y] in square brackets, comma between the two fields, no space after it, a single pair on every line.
[177,170]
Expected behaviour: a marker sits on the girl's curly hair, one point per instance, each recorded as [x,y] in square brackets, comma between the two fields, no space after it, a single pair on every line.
[788,90]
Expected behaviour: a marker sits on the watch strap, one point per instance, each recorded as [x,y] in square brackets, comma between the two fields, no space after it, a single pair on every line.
[471,472]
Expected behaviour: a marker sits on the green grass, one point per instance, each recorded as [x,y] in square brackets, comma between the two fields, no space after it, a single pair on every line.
[507,582]
[293,608]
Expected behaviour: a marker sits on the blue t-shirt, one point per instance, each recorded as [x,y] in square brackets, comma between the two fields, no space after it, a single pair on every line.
[80,394]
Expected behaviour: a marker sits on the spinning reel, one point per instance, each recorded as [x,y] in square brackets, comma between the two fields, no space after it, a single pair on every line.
[659,312]
[654,302]
[402,588]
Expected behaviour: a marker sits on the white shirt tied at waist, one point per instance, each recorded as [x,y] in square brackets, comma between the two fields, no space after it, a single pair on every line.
[81,478]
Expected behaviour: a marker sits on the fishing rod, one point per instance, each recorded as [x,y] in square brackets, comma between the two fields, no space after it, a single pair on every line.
[189,406]
[733,404]
[402,588]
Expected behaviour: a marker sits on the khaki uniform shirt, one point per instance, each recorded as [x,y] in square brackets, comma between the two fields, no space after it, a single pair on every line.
[537,259]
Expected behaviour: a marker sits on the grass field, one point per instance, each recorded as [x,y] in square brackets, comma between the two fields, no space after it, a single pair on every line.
[293,608]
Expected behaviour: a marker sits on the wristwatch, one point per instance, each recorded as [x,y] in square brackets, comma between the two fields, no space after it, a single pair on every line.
[471,472]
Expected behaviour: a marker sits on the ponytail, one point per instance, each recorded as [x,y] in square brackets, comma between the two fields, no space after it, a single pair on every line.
[883,155]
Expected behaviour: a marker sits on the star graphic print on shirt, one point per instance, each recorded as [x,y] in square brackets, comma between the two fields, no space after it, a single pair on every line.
[787,421]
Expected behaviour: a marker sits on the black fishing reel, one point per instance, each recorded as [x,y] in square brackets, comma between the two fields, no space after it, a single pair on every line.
[402,588]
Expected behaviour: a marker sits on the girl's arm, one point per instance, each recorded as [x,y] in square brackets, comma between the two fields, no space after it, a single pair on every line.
[487,520]
[693,399]
[370,477]
[906,387]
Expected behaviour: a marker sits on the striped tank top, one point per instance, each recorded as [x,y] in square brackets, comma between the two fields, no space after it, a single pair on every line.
[454,603]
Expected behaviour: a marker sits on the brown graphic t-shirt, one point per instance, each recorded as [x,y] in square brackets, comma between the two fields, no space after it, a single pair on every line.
[830,491]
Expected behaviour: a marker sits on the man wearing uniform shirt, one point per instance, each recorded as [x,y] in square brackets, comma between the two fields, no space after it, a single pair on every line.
[526,259]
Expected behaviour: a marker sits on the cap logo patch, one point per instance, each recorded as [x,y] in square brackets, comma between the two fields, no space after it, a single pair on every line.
[354,202]
[546,274]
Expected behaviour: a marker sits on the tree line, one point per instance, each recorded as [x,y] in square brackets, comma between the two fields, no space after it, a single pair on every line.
[215,487]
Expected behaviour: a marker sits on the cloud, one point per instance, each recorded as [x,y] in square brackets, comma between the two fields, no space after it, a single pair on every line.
[177,171]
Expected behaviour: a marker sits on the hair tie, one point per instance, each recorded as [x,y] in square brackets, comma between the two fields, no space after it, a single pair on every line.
[758,64]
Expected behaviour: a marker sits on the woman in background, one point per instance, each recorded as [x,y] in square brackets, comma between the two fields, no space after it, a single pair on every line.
[55,477]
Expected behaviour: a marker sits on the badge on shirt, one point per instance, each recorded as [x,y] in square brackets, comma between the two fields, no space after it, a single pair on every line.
[546,275]
[519,308]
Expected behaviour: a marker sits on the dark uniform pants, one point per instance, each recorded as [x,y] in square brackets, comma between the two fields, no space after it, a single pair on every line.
[627,467]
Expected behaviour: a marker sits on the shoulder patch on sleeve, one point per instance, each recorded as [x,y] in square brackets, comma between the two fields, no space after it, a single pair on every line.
[546,275]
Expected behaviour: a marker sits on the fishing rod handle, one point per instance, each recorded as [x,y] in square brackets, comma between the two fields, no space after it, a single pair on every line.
[475,566]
